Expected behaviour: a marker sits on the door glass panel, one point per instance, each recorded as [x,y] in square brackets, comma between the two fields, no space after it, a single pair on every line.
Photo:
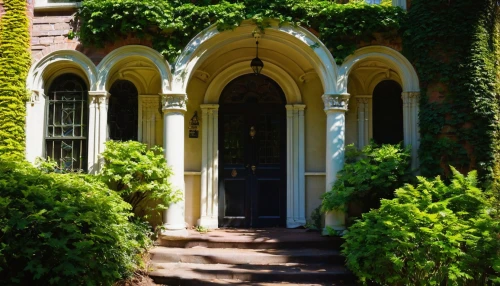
[235,198]
[269,198]
[233,139]
[269,139]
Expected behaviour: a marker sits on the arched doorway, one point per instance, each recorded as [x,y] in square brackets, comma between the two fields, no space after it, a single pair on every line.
[123,111]
[252,153]
[387,113]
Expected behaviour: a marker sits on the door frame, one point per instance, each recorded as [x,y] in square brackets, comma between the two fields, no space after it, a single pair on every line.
[295,145]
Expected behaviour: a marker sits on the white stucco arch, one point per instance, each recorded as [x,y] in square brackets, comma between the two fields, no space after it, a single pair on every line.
[283,79]
[65,59]
[116,56]
[299,39]
[395,60]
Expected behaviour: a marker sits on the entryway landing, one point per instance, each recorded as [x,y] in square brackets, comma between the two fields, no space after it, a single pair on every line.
[250,257]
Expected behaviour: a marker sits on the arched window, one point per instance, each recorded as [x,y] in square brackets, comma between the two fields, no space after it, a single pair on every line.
[123,111]
[387,113]
[66,133]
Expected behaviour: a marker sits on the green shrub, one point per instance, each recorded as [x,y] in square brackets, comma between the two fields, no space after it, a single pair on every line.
[140,175]
[432,234]
[369,175]
[64,229]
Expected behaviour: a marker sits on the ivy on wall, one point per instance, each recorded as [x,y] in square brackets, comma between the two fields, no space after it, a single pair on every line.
[172,24]
[14,65]
[451,44]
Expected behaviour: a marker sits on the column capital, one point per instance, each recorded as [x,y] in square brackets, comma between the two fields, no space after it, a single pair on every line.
[99,97]
[336,102]
[173,102]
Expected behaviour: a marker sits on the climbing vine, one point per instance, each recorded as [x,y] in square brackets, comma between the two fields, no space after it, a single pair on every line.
[172,24]
[451,44]
[14,65]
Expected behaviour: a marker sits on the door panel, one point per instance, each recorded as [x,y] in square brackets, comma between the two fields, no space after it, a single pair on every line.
[252,149]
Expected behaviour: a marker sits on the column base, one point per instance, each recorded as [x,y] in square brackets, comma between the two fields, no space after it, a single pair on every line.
[208,222]
[335,219]
[169,234]
[292,223]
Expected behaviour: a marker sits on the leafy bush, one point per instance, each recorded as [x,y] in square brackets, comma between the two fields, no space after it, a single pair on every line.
[428,235]
[140,175]
[369,175]
[64,229]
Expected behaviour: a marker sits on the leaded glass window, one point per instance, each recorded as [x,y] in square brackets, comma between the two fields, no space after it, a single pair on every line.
[66,134]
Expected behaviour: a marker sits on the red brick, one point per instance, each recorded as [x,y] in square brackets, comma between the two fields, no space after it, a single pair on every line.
[46,40]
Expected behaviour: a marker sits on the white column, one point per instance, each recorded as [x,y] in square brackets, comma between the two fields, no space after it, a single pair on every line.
[295,166]
[98,120]
[210,166]
[362,105]
[335,108]
[174,107]
[410,124]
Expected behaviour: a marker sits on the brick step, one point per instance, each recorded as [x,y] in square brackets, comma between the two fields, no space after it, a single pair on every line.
[209,274]
[244,256]
[254,239]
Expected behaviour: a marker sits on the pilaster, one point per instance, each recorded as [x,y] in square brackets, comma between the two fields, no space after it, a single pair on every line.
[410,124]
[363,106]
[149,118]
[335,108]
[98,120]
[210,166]
[295,166]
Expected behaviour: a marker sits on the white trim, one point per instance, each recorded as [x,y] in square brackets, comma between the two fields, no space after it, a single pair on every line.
[209,41]
[123,53]
[315,174]
[44,5]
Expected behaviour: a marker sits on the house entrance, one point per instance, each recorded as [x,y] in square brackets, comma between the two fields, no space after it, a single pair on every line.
[252,153]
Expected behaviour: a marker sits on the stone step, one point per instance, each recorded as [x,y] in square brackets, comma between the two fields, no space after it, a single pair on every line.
[254,239]
[203,255]
[209,274]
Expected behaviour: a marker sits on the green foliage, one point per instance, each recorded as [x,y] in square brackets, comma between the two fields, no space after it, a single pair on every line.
[14,65]
[369,175]
[64,229]
[432,234]
[172,24]
[451,44]
[139,175]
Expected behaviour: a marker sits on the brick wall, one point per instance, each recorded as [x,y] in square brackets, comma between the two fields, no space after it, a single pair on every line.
[50,30]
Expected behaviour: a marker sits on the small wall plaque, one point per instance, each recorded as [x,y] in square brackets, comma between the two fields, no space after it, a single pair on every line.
[194,124]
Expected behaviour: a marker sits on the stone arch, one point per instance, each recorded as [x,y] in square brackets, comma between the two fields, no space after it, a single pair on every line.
[39,77]
[400,71]
[283,79]
[120,54]
[59,62]
[209,41]
[391,57]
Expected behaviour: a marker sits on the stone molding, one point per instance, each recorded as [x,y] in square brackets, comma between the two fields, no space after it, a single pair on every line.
[338,102]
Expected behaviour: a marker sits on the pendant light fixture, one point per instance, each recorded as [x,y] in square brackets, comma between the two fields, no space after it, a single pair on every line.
[256,64]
